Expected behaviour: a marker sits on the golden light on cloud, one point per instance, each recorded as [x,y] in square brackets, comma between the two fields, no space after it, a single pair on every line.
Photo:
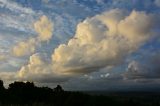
[2,57]
[105,37]
[25,47]
[44,28]
[100,41]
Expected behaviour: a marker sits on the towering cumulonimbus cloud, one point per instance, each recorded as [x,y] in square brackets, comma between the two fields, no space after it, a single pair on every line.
[100,41]
[44,29]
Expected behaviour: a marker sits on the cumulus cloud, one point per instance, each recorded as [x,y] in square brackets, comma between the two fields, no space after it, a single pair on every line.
[104,40]
[25,47]
[100,41]
[39,69]
[44,28]
[34,66]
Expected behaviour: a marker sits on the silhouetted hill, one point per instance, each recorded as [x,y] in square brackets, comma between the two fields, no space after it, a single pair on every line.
[27,94]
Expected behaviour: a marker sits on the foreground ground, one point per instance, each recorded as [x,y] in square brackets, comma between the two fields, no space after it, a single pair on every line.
[27,94]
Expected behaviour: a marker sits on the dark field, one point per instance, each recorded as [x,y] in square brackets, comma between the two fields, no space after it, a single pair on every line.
[27,94]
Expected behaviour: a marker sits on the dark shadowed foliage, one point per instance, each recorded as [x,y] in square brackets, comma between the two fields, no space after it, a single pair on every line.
[27,94]
[58,89]
[1,85]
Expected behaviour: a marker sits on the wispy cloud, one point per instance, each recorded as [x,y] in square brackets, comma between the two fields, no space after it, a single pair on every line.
[12,6]
[157,3]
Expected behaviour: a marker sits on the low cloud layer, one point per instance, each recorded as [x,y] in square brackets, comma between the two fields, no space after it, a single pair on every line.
[147,69]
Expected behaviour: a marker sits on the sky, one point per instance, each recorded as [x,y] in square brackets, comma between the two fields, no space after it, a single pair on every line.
[81,44]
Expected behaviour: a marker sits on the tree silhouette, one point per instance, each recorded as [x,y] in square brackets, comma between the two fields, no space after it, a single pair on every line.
[21,85]
[2,92]
[28,94]
[1,85]
[58,89]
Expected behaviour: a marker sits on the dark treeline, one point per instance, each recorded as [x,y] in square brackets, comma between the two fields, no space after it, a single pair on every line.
[27,94]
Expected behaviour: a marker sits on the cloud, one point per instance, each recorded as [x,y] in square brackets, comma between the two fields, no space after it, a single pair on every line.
[100,41]
[46,1]
[25,47]
[104,40]
[135,70]
[13,6]
[44,28]
[147,69]
[100,1]
[35,66]
[95,81]
[10,76]
[2,57]
[157,3]
[38,69]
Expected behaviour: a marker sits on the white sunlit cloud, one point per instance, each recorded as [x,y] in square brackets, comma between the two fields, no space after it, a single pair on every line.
[106,33]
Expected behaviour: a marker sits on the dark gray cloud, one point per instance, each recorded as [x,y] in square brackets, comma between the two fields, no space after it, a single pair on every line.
[144,69]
